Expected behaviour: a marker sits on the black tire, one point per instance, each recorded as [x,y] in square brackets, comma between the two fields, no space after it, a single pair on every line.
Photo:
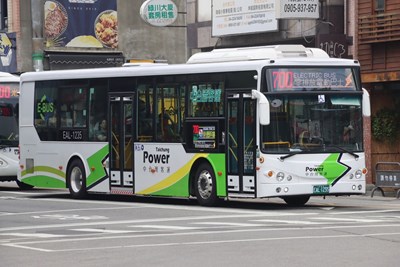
[23,185]
[296,201]
[76,176]
[205,185]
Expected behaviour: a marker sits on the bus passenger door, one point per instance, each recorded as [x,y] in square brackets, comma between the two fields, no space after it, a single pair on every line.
[121,143]
[241,147]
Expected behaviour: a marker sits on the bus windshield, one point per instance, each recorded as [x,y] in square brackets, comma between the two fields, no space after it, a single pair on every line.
[8,114]
[313,123]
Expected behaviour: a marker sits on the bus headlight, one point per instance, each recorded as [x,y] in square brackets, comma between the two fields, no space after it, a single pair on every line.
[280,176]
[358,174]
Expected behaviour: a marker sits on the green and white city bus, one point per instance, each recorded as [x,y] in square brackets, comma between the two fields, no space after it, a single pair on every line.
[276,121]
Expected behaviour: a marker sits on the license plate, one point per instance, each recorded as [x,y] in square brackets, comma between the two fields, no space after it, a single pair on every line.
[321,189]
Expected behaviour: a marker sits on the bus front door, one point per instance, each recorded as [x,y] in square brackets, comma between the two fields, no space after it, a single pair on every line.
[121,143]
[241,147]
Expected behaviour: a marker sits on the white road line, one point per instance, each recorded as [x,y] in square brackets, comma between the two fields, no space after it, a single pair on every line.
[31,193]
[30,235]
[165,227]
[29,248]
[66,210]
[348,220]
[21,245]
[287,221]
[81,239]
[362,212]
[105,231]
[6,213]
[188,218]
[230,224]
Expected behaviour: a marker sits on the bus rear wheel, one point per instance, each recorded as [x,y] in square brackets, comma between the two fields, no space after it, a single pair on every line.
[77,179]
[205,186]
[296,200]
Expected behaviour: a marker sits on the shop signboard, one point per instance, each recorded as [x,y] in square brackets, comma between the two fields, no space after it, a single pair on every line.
[159,13]
[243,17]
[297,9]
[81,23]
[8,60]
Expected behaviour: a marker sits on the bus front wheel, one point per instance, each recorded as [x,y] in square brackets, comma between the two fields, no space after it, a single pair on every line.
[205,186]
[77,179]
[296,200]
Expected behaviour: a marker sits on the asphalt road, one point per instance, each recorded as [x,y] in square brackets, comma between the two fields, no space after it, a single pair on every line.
[46,228]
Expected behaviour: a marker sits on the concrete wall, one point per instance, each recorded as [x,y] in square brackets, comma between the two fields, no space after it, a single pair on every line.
[137,39]
[22,25]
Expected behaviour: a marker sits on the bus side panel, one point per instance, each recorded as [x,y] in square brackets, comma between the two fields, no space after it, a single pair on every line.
[164,169]
[217,162]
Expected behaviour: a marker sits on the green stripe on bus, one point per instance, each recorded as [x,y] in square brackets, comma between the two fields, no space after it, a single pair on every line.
[218,164]
[178,189]
[332,168]
[44,181]
[95,163]
[181,187]
[44,169]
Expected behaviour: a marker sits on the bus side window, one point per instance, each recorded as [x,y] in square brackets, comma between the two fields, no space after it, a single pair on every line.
[145,128]
[167,128]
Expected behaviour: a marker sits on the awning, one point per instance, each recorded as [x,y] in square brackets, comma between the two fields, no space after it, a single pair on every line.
[68,60]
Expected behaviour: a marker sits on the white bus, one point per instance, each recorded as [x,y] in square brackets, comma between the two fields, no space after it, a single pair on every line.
[277,121]
[9,94]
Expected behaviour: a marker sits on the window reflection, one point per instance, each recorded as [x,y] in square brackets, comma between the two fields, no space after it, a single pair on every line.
[313,123]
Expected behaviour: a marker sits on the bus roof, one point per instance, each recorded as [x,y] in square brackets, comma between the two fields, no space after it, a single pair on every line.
[8,77]
[281,55]
[257,53]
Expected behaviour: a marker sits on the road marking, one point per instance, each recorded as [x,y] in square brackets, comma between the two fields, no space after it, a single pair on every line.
[105,231]
[6,213]
[166,227]
[68,217]
[348,220]
[230,224]
[159,220]
[361,212]
[67,210]
[24,244]
[287,221]
[35,235]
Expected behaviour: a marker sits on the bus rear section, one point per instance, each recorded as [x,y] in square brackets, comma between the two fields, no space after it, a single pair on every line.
[9,132]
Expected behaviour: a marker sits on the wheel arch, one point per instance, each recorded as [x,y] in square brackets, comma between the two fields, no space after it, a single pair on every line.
[70,160]
[192,173]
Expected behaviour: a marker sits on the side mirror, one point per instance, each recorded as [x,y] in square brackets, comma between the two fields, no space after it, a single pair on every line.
[263,107]
[366,104]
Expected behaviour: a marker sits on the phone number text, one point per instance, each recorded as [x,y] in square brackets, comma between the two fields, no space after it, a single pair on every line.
[297,8]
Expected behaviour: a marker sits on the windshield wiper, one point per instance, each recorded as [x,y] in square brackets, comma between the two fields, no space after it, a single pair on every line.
[281,158]
[345,150]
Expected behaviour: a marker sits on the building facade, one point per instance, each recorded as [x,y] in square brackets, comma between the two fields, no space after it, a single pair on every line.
[333,29]
[63,34]
[378,50]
